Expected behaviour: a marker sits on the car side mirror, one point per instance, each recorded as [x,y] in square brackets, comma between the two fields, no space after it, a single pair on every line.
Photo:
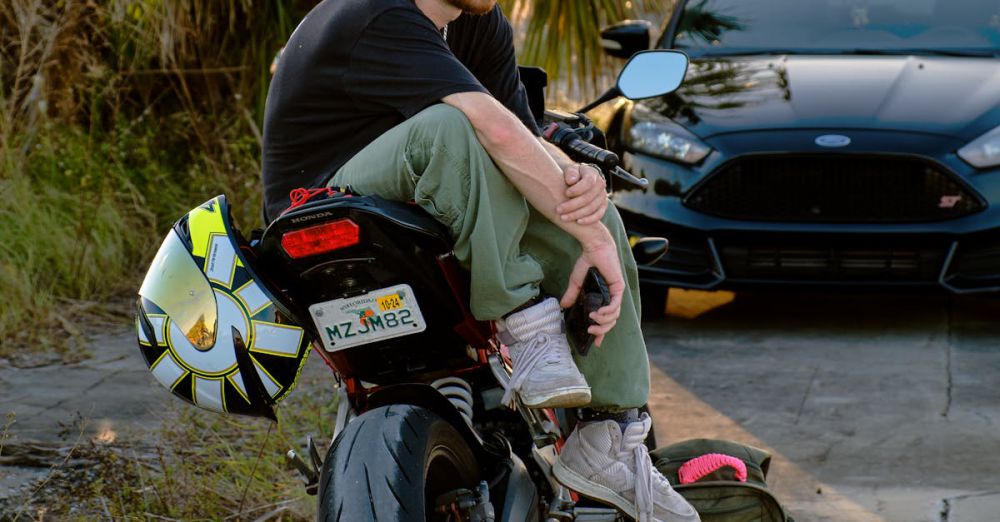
[652,73]
[626,38]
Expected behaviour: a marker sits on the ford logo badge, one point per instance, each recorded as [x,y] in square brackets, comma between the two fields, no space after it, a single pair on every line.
[833,140]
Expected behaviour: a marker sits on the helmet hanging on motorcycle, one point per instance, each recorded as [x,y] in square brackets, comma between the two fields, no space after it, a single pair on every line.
[209,329]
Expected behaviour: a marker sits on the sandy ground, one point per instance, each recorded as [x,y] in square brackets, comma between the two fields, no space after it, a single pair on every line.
[875,407]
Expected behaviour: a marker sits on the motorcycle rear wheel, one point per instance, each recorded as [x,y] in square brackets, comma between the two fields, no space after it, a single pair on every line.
[391,464]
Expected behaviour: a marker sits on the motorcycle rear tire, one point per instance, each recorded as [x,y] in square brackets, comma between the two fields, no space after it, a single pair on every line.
[391,463]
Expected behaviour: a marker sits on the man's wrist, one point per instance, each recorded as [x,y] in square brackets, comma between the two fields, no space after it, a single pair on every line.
[607,185]
[595,237]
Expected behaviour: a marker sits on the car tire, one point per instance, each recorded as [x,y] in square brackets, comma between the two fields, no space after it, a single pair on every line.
[391,463]
[654,301]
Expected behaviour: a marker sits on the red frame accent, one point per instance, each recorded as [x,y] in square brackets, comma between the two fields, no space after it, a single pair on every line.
[318,348]
[479,334]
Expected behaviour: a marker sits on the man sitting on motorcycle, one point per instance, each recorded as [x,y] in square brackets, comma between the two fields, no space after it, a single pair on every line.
[421,100]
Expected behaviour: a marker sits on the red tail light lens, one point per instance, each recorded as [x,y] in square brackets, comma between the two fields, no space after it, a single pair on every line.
[320,239]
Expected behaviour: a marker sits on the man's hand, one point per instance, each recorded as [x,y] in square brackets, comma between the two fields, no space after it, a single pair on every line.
[603,256]
[586,198]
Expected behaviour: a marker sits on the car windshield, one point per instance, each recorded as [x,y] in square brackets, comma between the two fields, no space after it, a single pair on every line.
[734,27]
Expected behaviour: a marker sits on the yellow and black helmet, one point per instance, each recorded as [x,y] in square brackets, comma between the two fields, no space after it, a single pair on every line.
[210,331]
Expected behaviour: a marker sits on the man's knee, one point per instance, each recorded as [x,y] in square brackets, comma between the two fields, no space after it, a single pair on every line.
[447,130]
[444,119]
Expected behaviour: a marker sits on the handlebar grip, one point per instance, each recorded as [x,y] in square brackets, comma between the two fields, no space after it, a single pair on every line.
[579,149]
[591,153]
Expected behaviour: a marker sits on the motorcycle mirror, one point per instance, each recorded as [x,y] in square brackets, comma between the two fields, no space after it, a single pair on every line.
[647,74]
[652,73]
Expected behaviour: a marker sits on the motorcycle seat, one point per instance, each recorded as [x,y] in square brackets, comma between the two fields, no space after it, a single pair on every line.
[407,215]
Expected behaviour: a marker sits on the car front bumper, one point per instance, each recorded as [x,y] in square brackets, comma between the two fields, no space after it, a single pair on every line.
[961,255]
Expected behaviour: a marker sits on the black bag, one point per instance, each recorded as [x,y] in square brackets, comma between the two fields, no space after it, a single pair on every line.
[719,496]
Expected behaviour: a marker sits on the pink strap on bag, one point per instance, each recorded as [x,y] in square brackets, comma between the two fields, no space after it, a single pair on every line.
[697,468]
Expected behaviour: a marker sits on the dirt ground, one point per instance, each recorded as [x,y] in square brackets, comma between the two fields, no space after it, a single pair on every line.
[876,407]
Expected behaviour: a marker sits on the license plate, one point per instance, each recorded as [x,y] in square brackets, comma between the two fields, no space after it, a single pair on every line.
[382,314]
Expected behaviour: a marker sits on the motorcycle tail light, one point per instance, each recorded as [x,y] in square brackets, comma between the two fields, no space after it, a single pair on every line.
[320,239]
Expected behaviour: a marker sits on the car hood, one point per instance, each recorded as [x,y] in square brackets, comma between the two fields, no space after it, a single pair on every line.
[958,97]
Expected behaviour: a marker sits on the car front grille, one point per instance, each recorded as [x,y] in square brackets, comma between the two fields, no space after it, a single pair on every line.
[843,260]
[838,189]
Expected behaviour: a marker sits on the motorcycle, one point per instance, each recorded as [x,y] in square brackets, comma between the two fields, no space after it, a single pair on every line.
[372,285]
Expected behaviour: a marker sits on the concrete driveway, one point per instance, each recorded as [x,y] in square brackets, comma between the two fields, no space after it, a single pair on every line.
[875,407]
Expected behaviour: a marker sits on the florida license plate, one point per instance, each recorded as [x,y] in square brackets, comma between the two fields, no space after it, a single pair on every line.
[382,314]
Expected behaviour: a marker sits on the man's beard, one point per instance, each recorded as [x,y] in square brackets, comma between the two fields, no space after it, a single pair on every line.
[474,7]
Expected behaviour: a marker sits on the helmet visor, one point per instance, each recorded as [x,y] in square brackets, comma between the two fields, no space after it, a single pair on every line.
[176,285]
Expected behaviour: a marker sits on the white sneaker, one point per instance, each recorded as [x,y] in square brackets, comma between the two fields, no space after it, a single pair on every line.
[601,462]
[544,374]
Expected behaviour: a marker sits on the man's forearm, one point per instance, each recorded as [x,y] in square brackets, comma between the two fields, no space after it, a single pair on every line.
[556,154]
[525,161]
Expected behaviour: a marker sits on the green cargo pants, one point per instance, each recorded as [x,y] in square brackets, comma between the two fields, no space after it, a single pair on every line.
[512,251]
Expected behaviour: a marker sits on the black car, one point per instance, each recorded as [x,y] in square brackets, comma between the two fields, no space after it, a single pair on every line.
[819,143]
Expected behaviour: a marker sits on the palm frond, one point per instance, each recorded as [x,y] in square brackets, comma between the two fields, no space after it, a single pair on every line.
[563,37]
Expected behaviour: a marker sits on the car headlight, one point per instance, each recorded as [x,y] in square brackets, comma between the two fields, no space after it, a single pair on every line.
[656,135]
[984,151]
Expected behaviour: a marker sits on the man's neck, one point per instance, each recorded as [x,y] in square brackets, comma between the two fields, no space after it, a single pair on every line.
[439,11]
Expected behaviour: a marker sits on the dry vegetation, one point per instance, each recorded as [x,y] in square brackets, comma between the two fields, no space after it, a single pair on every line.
[561,36]
[116,116]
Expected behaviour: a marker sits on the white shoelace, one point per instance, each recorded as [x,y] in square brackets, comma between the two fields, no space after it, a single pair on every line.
[645,474]
[535,352]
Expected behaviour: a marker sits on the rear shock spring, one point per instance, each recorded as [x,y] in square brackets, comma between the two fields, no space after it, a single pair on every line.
[459,393]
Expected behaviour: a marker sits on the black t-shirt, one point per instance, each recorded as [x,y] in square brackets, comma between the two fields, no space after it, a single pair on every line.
[354,69]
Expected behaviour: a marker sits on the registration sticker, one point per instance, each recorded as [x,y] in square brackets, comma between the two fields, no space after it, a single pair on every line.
[390,302]
[382,314]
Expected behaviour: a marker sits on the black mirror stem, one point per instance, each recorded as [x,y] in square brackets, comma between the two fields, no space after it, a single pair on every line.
[608,95]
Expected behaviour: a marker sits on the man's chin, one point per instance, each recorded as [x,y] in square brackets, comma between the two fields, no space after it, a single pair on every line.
[474,7]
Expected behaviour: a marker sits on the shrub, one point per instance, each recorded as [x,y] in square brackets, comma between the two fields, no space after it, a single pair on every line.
[116,117]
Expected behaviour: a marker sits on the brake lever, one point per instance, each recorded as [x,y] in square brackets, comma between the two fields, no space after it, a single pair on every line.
[630,178]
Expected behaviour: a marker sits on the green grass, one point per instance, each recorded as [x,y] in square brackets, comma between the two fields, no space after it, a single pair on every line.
[82,213]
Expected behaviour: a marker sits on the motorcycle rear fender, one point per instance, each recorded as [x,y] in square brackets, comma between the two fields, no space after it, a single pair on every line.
[399,243]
